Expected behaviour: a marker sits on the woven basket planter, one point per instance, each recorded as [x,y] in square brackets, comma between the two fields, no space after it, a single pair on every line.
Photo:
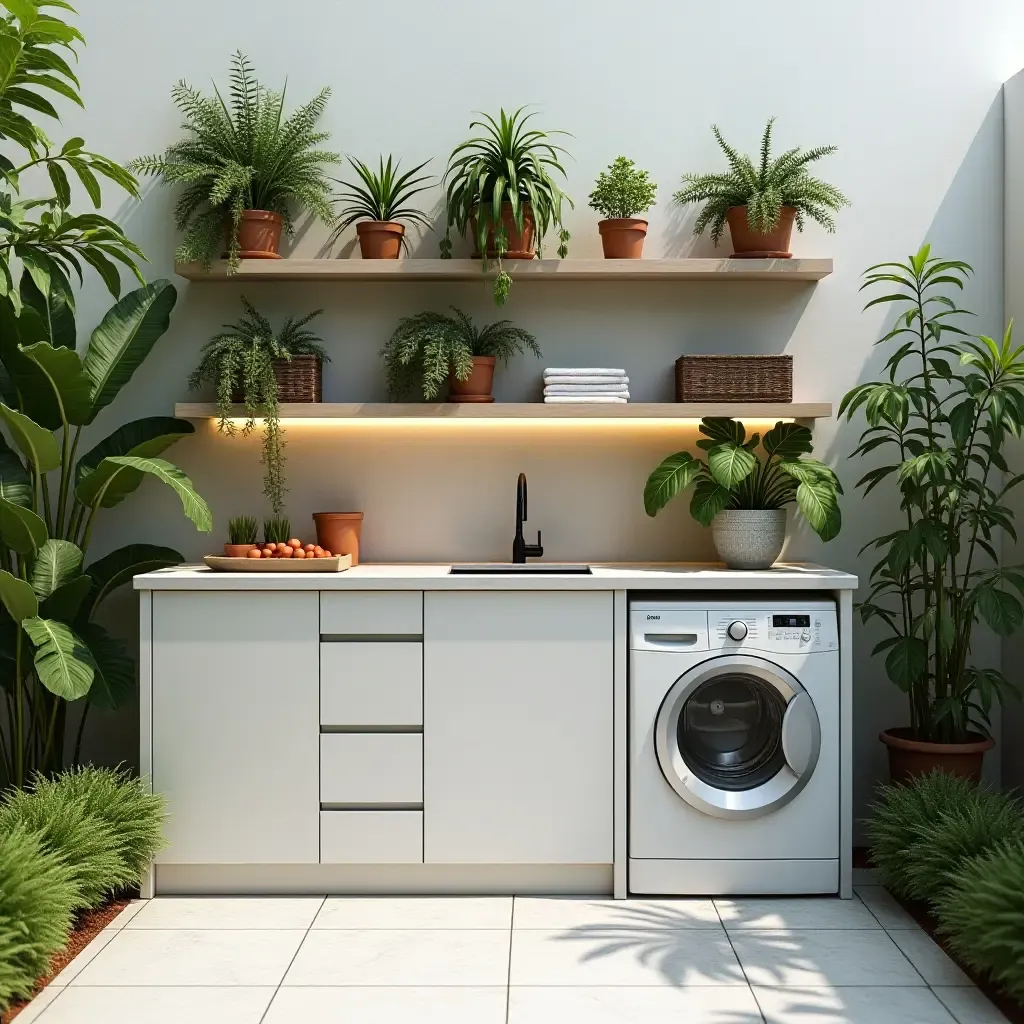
[734,379]
[299,379]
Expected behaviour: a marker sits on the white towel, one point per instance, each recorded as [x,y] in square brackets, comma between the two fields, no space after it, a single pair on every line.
[584,400]
[619,390]
[582,371]
[594,379]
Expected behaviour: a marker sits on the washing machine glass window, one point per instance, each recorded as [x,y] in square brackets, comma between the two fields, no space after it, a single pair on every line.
[737,736]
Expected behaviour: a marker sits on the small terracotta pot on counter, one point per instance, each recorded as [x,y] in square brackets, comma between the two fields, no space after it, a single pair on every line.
[520,244]
[238,550]
[380,239]
[477,386]
[259,235]
[760,245]
[909,758]
[623,237]
[339,532]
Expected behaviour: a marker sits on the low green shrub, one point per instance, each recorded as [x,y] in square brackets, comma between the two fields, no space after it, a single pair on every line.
[982,914]
[38,895]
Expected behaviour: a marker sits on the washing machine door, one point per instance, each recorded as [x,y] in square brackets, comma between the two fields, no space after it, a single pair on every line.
[737,736]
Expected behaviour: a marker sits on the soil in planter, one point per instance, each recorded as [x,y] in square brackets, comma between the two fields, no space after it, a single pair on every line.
[86,927]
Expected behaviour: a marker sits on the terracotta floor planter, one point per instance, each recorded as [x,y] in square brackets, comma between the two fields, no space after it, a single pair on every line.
[259,235]
[238,550]
[520,244]
[477,386]
[909,758]
[623,237]
[339,532]
[380,239]
[754,245]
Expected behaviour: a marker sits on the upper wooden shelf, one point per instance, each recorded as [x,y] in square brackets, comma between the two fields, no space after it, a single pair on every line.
[526,411]
[521,270]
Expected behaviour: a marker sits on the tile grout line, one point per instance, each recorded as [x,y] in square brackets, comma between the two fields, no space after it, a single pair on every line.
[263,1016]
[508,978]
[728,938]
[888,935]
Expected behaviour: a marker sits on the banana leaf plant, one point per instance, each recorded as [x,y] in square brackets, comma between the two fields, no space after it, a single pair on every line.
[52,650]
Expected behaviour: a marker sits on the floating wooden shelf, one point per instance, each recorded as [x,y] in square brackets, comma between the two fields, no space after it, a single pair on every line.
[521,270]
[527,411]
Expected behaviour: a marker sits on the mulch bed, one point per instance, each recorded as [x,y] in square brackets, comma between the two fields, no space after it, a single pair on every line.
[87,926]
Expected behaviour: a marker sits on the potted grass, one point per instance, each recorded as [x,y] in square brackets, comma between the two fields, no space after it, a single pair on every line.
[245,166]
[761,202]
[252,365]
[376,204]
[621,193]
[431,350]
[501,191]
[243,536]
[743,496]
[944,414]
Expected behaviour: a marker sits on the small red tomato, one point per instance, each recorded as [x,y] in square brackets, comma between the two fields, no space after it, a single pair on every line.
[254,553]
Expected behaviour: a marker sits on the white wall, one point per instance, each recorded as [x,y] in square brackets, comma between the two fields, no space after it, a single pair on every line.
[910,92]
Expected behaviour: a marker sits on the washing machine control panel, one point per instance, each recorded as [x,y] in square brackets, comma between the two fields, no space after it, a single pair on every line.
[759,629]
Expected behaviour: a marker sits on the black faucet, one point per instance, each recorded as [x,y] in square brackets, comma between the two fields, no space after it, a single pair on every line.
[520,549]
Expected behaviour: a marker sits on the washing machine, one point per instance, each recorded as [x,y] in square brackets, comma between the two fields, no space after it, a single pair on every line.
[734,762]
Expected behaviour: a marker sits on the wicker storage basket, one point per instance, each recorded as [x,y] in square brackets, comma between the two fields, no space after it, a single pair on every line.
[734,379]
[299,379]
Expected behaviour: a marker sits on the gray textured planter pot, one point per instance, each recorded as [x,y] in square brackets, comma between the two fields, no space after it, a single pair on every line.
[748,538]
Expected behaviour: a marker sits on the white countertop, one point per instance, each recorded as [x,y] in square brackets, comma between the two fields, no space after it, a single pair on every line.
[613,576]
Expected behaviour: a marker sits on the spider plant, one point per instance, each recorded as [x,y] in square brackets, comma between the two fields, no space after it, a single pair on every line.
[763,188]
[429,347]
[241,154]
[508,163]
[382,194]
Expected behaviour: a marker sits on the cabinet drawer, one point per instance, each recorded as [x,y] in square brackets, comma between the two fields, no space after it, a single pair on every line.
[372,613]
[371,684]
[371,837]
[372,768]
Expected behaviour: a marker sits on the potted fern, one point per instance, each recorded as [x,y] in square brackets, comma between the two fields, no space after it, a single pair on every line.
[621,193]
[254,366]
[244,165]
[501,189]
[762,202]
[429,350]
[376,204]
[743,496]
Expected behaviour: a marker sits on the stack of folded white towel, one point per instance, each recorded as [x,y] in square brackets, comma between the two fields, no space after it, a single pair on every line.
[585,385]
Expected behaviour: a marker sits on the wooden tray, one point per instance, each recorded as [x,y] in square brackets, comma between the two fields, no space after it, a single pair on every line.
[336,563]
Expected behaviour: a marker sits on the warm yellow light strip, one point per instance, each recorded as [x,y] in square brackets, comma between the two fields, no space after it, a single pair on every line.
[411,425]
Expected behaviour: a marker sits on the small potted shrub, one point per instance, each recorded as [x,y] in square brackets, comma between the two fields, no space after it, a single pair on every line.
[376,205]
[243,536]
[255,367]
[431,350]
[620,194]
[501,191]
[762,201]
[244,165]
[743,497]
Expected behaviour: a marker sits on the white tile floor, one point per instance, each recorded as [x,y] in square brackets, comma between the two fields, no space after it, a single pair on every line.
[521,961]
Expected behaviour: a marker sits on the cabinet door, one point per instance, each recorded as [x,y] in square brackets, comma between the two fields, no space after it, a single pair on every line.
[236,726]
[517,728]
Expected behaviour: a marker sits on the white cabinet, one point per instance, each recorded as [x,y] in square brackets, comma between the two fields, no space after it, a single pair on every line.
[369,685]
[236,726]
[518,727]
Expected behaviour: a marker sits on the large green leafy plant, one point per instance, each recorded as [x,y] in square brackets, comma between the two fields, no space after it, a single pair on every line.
[240,154]
[512,163]
[733,476]
[763,188]
[941,420]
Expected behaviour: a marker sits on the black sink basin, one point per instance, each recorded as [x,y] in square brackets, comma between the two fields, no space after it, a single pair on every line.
[516,569]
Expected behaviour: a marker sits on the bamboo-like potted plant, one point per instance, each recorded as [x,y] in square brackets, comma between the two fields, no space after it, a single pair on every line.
[621,193]
[376,204]
[762,201]
[743,496]
[431,350]
[244,165]
[501,190]
[257,367]
[943,416]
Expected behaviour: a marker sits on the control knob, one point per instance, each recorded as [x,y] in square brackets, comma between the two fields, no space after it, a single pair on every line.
[737,630]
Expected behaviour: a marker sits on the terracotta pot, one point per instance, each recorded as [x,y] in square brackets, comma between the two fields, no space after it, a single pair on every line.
[909,758]
[477,386]
[520,245]
[753,245]
[623,237]
[259,235]
[339,532]
[238,550]
[380,239]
